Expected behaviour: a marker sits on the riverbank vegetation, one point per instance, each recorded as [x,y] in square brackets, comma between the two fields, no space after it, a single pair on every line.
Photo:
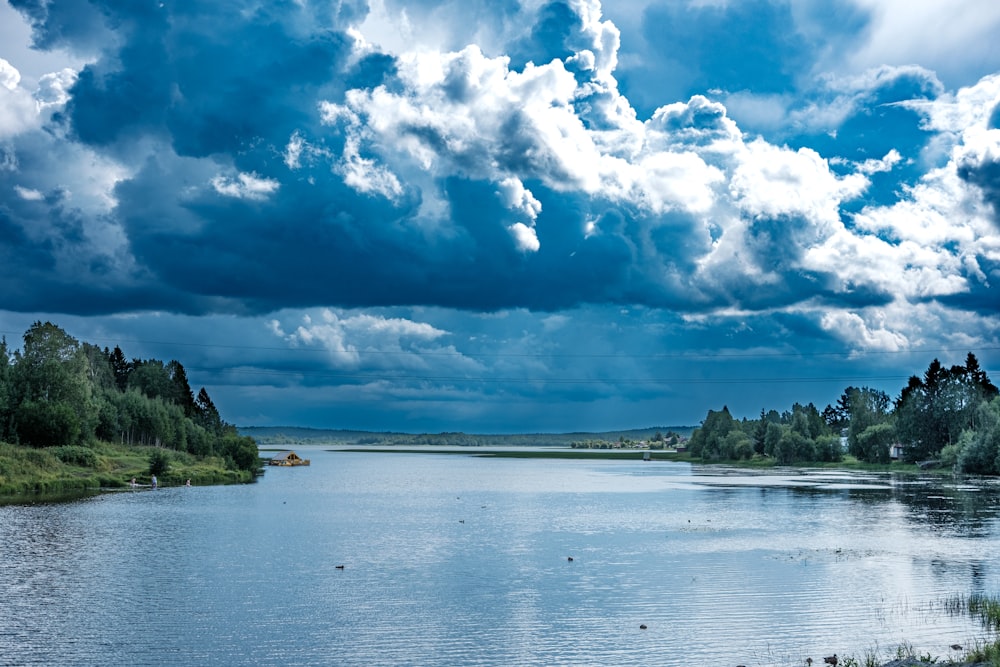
[75,417]
[949,417]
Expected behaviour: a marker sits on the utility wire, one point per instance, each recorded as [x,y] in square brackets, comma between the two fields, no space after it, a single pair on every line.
[545,355]
[537,380]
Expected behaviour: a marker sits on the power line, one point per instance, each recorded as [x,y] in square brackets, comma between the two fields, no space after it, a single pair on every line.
[537,380]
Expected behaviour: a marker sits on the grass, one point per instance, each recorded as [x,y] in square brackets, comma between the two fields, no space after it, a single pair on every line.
[984,608]
[29,475]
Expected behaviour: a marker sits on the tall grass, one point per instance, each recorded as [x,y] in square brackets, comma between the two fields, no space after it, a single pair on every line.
[985,609]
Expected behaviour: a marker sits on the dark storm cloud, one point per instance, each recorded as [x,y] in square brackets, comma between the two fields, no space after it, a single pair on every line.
[983,171]
[257,157]
[216,196]
[76,25]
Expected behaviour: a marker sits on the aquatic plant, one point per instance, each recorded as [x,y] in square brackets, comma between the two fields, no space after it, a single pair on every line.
[984,608]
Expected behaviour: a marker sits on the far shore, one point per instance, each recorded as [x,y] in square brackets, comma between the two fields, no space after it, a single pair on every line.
[847,463]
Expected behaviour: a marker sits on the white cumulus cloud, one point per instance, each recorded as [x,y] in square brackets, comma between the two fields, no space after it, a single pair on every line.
[245,186]
[525,237]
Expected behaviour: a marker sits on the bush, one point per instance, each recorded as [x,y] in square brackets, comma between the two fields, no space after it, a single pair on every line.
[242,451]
[828,448]
[76,455]
[159,462]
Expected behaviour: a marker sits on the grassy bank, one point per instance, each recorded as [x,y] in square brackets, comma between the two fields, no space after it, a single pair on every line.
[28,474]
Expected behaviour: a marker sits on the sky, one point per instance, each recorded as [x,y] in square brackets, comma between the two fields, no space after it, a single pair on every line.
[499,216]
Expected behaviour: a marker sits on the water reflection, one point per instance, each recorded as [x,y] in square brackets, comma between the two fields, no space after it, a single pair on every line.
[464,560]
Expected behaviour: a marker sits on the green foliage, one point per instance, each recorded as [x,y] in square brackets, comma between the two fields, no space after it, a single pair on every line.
[159,463]
[708,441]
[978,451]
[59,393]
[828,448]
[952,414]
[7,398]
[872,444]
[242,451]
[789,445]
[933,411]
[866,408]
[30,474]
[986,609]
[737,446]
[47,423]
[52,389]
[207,414]
[76,455]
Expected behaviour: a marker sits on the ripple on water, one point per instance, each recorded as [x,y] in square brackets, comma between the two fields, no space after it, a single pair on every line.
[461,560]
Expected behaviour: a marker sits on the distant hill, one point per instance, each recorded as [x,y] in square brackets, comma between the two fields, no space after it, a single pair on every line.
[295,435]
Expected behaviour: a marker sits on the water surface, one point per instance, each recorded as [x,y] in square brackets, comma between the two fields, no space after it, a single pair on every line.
[464,560]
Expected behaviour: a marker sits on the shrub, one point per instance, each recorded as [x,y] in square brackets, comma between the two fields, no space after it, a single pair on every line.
[76,455]
[159,462]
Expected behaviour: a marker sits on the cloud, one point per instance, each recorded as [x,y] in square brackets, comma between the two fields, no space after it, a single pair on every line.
[952,40]
[412,154]
[28,194]
[347,338]
[245,186]
[17,108]
[525,237]
[855,331]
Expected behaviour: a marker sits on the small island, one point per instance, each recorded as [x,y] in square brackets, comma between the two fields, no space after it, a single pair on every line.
[77,419]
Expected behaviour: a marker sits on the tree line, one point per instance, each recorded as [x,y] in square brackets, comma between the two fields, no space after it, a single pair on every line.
[950,415]
[56,391]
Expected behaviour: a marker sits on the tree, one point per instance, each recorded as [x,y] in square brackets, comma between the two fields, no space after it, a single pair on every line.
[828,448]
[206,414]
[52,378]
[760,432]
[151,378]
[6,392]
[99,370]
[120,367]
[182,394]
[979,449]
[873,443]
[47,423]
[736,446]
[933,411]
[866,407]
[707,441]
[788,447]
[807,421]
[773,437]
[241,450]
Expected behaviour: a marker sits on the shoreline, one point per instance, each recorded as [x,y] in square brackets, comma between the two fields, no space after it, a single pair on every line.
[849,463]
[31,475]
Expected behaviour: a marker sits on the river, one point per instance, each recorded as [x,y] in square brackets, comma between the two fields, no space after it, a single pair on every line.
[442,560]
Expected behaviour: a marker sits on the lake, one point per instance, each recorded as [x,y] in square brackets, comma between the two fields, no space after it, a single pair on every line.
[465,560]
